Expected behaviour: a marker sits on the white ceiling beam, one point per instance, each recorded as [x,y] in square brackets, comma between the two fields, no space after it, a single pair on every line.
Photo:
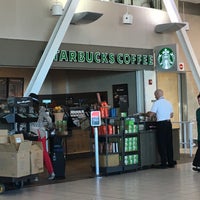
[51,49]
[184,41]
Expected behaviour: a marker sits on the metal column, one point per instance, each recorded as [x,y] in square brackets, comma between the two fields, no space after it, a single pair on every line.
[184,40]
[52,47]
[140,91]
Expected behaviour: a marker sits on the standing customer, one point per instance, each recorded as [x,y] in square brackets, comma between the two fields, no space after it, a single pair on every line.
[39,128]
[196,161]
[163,111]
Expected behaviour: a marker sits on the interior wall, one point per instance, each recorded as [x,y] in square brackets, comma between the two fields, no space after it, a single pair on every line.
[149,89]
[168,82]
[92,81]
[75,81]
[32,20]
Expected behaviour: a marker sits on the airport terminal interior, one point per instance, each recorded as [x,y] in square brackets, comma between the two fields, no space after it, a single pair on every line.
[140,181]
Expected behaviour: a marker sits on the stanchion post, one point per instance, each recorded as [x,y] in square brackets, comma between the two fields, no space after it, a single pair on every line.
[185,137]
[95,122]
[96,150]
[190,138]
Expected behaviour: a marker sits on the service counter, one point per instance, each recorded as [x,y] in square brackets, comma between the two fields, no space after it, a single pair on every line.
[78,142]
[148,147]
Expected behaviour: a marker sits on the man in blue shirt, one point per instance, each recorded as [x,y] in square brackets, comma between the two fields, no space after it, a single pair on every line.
[163,111]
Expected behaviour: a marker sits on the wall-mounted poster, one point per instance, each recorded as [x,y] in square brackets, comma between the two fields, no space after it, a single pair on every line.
[120,97]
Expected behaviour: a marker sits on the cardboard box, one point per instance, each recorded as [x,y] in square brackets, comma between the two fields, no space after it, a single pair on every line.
[16,139]
[110,161]
[15,162]
[4,136]
[4,139]
[36,158]
[3,132]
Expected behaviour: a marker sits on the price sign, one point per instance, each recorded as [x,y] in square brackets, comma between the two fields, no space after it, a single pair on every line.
[95,118]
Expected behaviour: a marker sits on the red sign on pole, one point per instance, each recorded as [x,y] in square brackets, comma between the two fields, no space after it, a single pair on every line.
[95,118]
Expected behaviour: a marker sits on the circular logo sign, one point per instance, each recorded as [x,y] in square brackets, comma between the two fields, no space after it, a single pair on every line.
[166,58]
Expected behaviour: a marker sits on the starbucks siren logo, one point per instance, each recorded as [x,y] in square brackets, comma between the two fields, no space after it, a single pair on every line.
[166,58]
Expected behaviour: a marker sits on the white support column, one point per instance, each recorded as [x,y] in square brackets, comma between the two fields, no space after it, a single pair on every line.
[140,91]
[51,48]
[149,89]
[184,40]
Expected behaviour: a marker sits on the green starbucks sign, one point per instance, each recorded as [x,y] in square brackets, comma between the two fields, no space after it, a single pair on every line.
[166,58]
[104,58]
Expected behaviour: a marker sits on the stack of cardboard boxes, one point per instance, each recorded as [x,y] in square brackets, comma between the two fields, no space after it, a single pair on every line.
[19,157]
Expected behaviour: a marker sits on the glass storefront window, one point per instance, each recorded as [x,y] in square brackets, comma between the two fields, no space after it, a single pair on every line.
[11,87]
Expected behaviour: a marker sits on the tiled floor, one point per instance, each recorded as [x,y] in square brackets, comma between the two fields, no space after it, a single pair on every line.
[179,183]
